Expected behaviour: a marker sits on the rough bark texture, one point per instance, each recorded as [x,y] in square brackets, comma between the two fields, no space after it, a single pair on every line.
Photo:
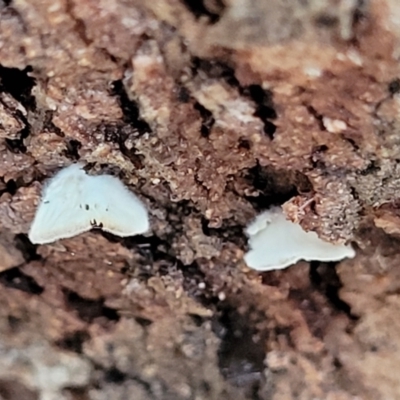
[210,111]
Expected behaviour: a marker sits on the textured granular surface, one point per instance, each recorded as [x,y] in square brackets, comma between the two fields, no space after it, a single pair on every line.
[210,111]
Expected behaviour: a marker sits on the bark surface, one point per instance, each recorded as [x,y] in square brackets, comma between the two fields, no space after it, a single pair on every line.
[210,111]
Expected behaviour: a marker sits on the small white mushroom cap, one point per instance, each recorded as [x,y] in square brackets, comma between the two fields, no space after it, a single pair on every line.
[276,243]
[74,202]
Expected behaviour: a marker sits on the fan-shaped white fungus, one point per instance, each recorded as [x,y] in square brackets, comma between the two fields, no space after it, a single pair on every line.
[277,243]
[74,202]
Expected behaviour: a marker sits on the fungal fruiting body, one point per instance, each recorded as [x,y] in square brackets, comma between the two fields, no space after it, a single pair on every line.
[276,243]
[74,202]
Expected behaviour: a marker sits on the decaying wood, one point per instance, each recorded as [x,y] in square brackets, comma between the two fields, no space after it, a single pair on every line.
[211,111]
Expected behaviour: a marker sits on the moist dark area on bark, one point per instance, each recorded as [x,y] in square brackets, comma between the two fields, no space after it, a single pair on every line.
[211,112]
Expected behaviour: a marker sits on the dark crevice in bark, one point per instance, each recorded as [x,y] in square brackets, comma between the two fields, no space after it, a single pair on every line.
[74,341]
[352,142]
[269,129]
[14,278]
[207,120]
[241,356]
[265,107]
[72,151]
[114,375]
[318,117]
[156,256]
[148,247]
[49,126]
[88,309]
[11,187]
[317,153]
[144,322]
[212,10]
[18,145]
[131,127]
[215,69]
[130,109]
[229,231]
[193,278]
[24,245]
[372,168]
[19,84]
[244,144]
[325,20]
[354,193]
[183,95]
[325,279]
[275,187]
[119,133]
[360,12]
[394,86]
[21,91]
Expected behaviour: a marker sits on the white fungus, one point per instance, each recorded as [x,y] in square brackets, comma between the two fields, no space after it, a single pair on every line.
[74,202]
[276,243]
